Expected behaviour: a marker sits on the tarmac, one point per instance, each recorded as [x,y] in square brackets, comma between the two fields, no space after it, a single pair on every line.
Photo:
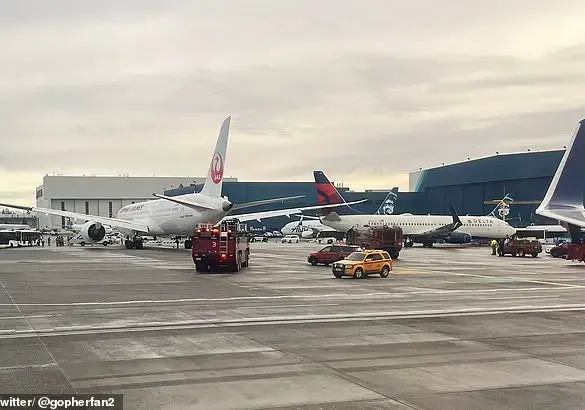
[450,328]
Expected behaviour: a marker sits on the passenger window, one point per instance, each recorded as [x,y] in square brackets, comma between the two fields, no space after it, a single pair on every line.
[326,249]
[386,255]
[376,257]
[369,258]
[335,249]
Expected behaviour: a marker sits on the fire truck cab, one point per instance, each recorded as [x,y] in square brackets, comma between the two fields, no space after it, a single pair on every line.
[221,246]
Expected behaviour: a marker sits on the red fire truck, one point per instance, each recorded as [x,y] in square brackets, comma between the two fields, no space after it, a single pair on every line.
[384,238]
[223,245]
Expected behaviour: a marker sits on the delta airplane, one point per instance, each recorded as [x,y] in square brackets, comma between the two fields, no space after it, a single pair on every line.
[563,200]
[312,227]
[178,215]
[425,229]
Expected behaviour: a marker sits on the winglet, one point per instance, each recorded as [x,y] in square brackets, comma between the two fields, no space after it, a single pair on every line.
[214,181]
[456,220]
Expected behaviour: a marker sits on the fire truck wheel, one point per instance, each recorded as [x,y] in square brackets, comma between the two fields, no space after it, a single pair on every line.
[188,244]
[199,267]
[238,265]
[246,261]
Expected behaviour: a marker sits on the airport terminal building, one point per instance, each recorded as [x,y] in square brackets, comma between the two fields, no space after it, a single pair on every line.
[472,187]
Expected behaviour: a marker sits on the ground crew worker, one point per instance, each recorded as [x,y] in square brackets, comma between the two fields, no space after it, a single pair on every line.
[494,245]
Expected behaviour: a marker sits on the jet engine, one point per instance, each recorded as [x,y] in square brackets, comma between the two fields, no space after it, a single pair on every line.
[92,232]
[307,234]
[458,238]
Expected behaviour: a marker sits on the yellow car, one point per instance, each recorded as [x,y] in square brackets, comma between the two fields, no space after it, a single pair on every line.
[363,263]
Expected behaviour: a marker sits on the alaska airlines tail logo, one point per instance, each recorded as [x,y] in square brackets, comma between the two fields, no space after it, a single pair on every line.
[388,206]
[217,168]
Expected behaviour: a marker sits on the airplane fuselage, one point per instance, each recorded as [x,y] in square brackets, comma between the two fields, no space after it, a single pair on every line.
[168,218]
[477,226]
[312,226]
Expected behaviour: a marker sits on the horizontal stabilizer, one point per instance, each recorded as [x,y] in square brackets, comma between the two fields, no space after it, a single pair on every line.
[258,216]
[265,201]
[188,204]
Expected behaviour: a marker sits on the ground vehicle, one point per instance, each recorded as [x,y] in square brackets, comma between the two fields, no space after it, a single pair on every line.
[223,245]
[576,252]
[520,247]
[8,238]
[330,254]
[20,237]
[560,250]
[363,263]
[379,237]
[290,239]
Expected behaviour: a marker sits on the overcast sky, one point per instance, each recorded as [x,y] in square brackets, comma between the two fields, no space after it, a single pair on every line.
[364,90]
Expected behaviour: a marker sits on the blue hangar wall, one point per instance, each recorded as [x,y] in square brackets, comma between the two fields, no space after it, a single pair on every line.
[473,186]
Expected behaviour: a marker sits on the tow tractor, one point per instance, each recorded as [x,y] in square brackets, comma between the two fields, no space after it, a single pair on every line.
[221,246]
[384,238]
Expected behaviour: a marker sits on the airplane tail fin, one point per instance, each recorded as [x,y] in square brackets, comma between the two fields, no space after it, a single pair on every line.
[214,181]
[564,198]
[387,205]
[327,194]
[502,209]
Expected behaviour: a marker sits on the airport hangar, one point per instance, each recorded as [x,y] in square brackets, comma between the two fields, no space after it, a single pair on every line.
[472,187]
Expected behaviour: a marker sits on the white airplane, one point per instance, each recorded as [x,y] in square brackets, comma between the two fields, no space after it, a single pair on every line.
[425,229]
[305,228]
[178,215]
[312,227]
[563,200]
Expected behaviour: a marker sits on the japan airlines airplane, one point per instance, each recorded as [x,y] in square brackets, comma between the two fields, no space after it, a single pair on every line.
[425,229]
[564,198]
[178,215]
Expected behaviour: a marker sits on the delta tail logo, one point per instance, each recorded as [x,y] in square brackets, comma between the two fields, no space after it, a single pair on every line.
[217,169]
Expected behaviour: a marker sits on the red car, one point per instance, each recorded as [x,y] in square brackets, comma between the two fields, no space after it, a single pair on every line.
[330,254]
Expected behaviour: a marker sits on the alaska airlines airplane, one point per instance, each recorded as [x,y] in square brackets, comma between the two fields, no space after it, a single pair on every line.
[563,200]
[425,229]
[311,228]
[178,215]
[305,228]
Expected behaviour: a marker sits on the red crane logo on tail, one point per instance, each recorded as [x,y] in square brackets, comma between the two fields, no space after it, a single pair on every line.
[217,168]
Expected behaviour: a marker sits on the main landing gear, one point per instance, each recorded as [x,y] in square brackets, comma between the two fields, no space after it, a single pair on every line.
[135,243]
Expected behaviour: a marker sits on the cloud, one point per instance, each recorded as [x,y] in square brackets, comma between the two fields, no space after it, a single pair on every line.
[366,92]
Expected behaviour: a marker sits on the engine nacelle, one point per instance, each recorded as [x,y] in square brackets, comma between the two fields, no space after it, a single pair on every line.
[307,234]
[458,237]
[92,232]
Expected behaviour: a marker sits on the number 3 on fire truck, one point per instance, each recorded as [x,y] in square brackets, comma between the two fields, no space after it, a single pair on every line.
[213,244]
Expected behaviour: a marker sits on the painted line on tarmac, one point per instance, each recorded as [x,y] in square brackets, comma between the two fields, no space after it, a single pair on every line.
[517,279]
[332,296]
[281,320]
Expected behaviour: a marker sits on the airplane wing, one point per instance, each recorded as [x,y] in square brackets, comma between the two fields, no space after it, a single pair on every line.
[258,216]
[113,222]
[564,197]
[445,229]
